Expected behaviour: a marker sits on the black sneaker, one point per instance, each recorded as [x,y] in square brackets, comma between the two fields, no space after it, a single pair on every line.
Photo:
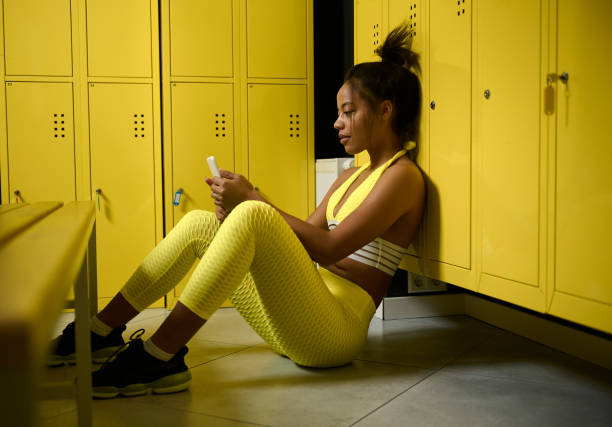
[135,372]
[63,347]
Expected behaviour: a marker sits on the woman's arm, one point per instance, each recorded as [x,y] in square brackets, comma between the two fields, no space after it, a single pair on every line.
[399,191]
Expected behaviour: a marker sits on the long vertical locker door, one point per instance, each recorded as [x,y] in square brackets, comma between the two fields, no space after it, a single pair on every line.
[119,38]
[278,151]
[368,30]
[37,37]
[411,13]
[509,132]
[121,138]
[202,126]
[449,210]
[40,128]
[583,288]
[276,34]
[201,38]
[368,36]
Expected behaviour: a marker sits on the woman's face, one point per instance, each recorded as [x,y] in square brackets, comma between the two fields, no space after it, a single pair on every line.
[354,122]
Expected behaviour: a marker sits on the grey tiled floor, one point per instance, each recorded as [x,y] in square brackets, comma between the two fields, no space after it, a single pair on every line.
[437,371]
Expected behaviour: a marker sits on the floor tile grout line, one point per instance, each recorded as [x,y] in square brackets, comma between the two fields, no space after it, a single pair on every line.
[221,357]
[399,365]
[395,397]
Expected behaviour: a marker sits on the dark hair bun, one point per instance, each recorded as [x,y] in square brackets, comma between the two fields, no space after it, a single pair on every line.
[397,48]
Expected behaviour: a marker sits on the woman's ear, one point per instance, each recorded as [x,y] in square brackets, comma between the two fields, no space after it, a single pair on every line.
[386,109]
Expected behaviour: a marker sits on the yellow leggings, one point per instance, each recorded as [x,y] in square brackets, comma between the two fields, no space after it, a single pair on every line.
[316,318]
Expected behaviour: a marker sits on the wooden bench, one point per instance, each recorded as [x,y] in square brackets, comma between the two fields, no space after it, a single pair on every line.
[45,249]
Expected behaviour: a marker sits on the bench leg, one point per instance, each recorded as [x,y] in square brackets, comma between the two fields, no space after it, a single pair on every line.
[83,346]
[93,272]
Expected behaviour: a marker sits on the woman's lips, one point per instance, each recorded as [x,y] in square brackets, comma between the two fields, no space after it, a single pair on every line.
[344,139]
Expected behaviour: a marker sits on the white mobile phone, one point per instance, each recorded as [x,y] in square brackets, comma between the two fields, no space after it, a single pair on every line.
[212,165]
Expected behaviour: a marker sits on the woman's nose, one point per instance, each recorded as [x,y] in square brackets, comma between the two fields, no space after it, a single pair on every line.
[338,124]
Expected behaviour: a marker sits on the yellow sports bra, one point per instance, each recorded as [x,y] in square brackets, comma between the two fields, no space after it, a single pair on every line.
[379,253]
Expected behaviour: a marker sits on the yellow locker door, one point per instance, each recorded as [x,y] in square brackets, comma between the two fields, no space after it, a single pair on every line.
[411,12]
[368,29]
[449,197]
[276,34]
[508,124]
[40,131]
[202,126]
[583,289]
[201,38]
[119,38]
[121,138]
[278,151]
[37,37]
[369,35]
[401,11]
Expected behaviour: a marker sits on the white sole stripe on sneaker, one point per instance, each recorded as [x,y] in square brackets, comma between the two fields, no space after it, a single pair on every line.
[169,384]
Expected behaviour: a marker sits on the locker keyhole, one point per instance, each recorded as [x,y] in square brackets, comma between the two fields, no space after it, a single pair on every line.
[294,125]
[220,125]
[59,125]
[139,125]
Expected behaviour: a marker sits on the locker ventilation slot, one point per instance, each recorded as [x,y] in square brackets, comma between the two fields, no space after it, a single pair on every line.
[59,126]
[413,20]
[460,7]
[294,125]
[220,125]
[139,128]
[376,37]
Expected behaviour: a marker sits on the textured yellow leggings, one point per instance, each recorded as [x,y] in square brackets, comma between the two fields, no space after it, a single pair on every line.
[315,317]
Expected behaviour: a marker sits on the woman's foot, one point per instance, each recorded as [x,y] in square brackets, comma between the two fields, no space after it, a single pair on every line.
[135,372]
[102,347]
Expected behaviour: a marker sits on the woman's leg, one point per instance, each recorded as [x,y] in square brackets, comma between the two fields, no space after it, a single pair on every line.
[280,292]
[163,267]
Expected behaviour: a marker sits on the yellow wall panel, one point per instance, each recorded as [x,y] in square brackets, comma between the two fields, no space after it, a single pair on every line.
[449,210]
[119,38]
[509,131]
[37,37]
[278,140]
[584,179]
[40,129]
[121,135]
[201,38]
[276,38]
[202,126]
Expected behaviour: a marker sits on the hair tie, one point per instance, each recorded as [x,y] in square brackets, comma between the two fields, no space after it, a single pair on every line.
[409,145]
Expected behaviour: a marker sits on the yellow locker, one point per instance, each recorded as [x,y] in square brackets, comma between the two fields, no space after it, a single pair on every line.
[40,129]
[449,197]
[202,126]
[121,139]
[37,37]
[508,126]
[411,12]
[119,38]
[201,38]
[368,29]
[278,145]
[368,21]
[583,289]
[276,34]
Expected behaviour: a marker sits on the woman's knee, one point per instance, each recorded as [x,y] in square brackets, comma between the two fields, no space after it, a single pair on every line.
[255,210]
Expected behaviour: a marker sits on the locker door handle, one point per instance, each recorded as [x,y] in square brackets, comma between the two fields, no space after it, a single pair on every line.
[99,193]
